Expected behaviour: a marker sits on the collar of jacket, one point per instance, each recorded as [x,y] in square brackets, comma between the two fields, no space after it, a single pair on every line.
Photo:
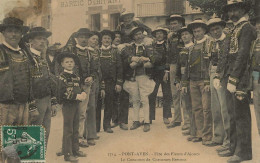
[10,47]
[81,47]
[160,42]
[189,44]
[67,71]
[240,20]
[36,52]
[222,37]
[202,40]
[90,48]
[105,48]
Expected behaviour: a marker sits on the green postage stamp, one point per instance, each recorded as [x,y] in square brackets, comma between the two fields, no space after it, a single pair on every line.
[24,143]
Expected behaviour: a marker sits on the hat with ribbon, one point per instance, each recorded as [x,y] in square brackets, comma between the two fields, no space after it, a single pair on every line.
[177,17]
[36,31]
[216,21]
[126,13]
[82,31]
[109,33]
[164,30]
[13,22]
[135,30]
[236,3]
[197,23]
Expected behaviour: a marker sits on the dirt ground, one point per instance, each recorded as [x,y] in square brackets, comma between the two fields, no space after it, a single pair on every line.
[158,145]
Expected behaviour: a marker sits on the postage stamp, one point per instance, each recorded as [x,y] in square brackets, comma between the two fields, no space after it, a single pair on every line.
[24,143]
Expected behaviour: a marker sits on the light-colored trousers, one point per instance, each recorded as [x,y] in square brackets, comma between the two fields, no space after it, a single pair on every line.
[139,91]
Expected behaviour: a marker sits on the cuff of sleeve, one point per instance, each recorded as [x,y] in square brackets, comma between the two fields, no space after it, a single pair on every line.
[185,83]
[54,101]
[32,106]
[232,80]
[216,76]
[119,82]
[241,93]
[102,85]
[206,82]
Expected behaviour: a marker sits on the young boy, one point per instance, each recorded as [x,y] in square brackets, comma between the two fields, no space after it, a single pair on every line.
[70,94]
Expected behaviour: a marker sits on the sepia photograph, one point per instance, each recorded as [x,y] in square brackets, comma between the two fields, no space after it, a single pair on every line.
[129,81]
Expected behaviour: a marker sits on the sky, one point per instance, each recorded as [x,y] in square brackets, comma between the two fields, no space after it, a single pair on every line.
[8,5]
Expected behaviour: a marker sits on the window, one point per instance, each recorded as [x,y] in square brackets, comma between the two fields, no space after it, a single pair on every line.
[114,20]
[95,22]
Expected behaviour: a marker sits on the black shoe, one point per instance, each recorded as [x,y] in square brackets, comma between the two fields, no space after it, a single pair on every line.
[60,153]
[83,144]
[124,126]
[113,125]
[97,138]
[221,149]
[236,159]
[211,143]
[109,130]
[70,158]
[186,132]
[135,125]
[79,154]
[185,127]
[146,127]
[195,140]
[190,138]
[91,142]
[226,153]
[173,124]
[166,121]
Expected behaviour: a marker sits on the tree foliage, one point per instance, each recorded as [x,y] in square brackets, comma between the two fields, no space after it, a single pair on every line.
[215,6]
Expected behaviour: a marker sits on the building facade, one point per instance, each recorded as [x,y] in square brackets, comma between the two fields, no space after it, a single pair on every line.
[70,15]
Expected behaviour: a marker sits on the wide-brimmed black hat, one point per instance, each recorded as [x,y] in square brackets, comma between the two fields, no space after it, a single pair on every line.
[63,55]
[82,31]
[13,22]
[92,33]
[134,31]
[183,29]
[164,30]
[236,3]
[118,32]
[54,47]
[255,19]
[216,21]
[36,31]
[197,23]
[109,33]
[177,17]
[126,13]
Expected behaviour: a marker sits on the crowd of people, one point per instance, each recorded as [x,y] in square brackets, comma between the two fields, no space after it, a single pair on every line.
[206,71]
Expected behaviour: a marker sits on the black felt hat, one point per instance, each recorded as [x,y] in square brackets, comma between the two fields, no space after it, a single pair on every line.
[63,55]
[36,31]
[13,22]
[83,31]
[109,33]
[236,3]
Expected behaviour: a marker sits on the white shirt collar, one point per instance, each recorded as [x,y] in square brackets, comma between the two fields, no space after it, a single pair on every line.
[70,72]
[240,20]
[90,48]
[160,42]
[10,47]
[222,37]
[81,47]
[36,52]
[189,44]
[105,48]
[202,40]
